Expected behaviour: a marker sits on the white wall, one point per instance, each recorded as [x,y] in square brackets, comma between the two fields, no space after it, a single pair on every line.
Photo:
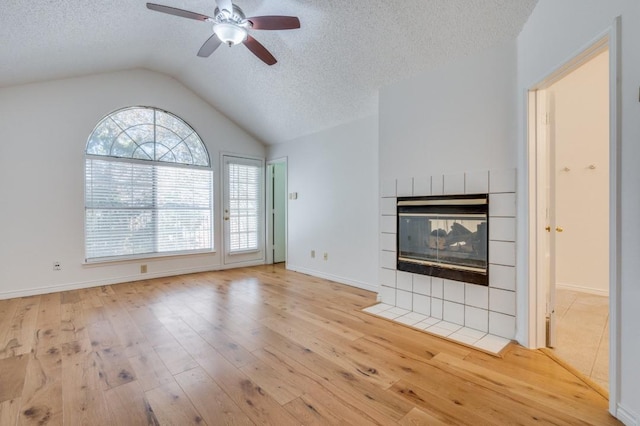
[452,130]
[335,175]
[555,32]
[43,132]
[580,129]
[454,118]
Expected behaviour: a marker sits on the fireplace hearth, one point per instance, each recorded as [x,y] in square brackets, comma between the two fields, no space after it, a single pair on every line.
[444,236]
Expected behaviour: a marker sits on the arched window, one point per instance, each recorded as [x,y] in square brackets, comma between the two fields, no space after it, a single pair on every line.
[148,187]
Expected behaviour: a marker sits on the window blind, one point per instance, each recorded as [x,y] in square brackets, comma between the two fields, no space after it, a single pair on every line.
[245,185]
[133,208]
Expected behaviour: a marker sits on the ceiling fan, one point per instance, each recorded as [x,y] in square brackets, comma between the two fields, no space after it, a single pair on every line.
[230,26]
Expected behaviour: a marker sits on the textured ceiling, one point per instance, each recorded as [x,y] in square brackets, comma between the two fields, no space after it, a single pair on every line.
[328,71]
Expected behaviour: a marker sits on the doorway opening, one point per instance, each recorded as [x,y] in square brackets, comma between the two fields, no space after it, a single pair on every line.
[276,211]
[571,184]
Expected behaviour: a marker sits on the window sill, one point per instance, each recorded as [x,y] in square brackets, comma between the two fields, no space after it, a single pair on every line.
[144,257]
[233,253]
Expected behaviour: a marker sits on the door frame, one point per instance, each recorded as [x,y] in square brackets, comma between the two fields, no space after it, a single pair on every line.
[610,40]
[269,217]
[243,259]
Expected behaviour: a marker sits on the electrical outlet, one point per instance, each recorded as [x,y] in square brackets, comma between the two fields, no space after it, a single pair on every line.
[313,254]
[57,266]
[143,269]
[326,256]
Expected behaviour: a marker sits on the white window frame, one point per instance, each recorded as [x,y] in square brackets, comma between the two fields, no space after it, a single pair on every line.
[155,166]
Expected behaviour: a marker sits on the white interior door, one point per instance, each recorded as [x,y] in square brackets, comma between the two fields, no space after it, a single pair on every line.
[545,232]
[243,209]
[552,226]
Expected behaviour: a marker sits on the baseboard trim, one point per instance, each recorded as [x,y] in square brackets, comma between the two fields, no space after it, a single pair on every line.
[581,289]
[626,416]
[336,278]
[119,280]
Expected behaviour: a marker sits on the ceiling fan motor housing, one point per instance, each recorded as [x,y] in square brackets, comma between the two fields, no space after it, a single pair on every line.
[231,29]
[237,16]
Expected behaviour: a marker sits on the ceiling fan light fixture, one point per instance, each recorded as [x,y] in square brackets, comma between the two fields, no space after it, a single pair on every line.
[229,33]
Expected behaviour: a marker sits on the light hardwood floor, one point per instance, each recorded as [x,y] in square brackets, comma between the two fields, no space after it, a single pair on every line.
[260,346]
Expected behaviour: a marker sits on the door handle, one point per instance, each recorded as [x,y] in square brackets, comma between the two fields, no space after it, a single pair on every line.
[226,218]
[559,229]
[547,228]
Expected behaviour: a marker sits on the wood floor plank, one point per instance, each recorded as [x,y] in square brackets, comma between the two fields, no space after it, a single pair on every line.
[336,355]
[149,370]
[314,389]
[172,407]
[114,368]
[532,366]
[254,401]
[352,386]
[417,417]
[544,399]
[210,400]
[311,413]
[41,401]
[129,406]
[175,357]
[89,298]
[7,310]
[70,297]
[260,345]
[20,337]
[10,412]
[12,374]
[129,336]
[265,377]
[146,323]
[102,335]
[73,326]
[82,397]
[225,344]
[329,325]
[104,291]
[444,408]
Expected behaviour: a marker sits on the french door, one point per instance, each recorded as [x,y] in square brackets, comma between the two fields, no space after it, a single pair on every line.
[243,209]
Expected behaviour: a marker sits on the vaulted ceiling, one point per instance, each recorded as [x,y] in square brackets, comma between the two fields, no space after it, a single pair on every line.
[328,71]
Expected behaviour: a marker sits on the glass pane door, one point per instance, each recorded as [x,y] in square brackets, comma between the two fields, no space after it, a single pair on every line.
[243,214]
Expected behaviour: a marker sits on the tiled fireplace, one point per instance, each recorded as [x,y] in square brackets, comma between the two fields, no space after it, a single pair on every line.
[488,308]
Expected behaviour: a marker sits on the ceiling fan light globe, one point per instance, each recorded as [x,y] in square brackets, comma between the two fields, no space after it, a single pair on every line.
[230,34]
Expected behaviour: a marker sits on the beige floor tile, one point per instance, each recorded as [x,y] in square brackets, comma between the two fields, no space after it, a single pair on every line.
[583,333]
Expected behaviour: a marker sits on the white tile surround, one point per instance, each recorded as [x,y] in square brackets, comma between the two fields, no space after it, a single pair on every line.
[486,309]
[450,330]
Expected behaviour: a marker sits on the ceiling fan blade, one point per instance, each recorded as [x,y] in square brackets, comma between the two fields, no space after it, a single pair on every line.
[225,5]
[209,46]
[274,22]
[259,50]
[178,12]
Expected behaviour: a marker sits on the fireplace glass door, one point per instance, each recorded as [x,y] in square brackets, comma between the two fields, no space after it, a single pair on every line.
[444,237]
[453,240]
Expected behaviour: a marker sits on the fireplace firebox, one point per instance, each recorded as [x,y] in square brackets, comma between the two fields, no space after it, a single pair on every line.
[444,236]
